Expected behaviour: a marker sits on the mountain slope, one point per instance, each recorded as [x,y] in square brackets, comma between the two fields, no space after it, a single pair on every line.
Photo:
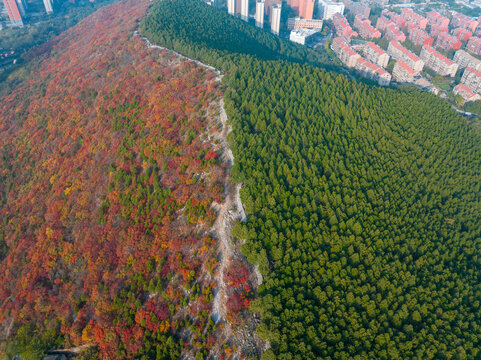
[107,183]
[363,206]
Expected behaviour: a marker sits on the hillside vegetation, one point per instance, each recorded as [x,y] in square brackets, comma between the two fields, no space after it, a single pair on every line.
[107,180]
[221,40]
[363,202]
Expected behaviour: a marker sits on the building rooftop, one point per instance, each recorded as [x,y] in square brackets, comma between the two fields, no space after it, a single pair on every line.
[474,71]
[464,89]
[406,68]
[375,48]
[304,32]
[405,51]
[379,70]
[441,57]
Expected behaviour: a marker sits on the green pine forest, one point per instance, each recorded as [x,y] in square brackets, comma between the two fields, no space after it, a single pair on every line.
[363,202]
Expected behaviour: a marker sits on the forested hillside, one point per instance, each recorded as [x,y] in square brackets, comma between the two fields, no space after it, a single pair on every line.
[107,181]
[363,204]
[220,39]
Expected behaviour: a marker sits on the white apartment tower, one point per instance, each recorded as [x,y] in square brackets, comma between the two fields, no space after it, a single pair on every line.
[276,18]
[231,7]
[22,7]
[327,9]
[260,6]
[245,10]
[48,6]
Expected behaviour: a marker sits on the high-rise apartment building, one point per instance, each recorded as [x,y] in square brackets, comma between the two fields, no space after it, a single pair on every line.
[436,19]
[328,8]
[306,9]
[472,79]
[464,60]
[399,52]
[409,15]
[231,7]
[16,11]
[374,53]
[365,29]
[474,45]
[438,62]
[465,92]
[276,18]
[244,9]
[447,42]
[260,7]
[402,72]
[48,6]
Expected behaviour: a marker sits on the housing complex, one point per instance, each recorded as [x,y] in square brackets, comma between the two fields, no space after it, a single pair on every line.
[474,45]
[472,79]
[403,73]
[365,29]
[409,15]
[438,62]
[436,19]
[374,53]
[342,26]
[399,52]
[462,34]
[420,37]
[464,60]
[465,92]
[447,42]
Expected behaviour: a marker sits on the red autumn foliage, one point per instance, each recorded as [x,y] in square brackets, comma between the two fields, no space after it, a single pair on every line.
[104,221]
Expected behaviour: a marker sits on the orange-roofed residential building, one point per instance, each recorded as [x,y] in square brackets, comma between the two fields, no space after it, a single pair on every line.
[462,21]
[403,73]
[474,45]
[436,30]
[358,8]
[342,26]
[466,93]
[373,71]
[344,52]
[464,60]
[436,19]
[409,15]
[438,62]
[365,29]
[375,54]
[472,79]
[393,33]
[382,23]
[399,52]
[447,42]
[420,37]
[395,18]
[462,34]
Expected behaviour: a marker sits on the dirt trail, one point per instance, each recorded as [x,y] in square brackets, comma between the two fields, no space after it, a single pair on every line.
[227,213]
[180,56]
[230,211]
